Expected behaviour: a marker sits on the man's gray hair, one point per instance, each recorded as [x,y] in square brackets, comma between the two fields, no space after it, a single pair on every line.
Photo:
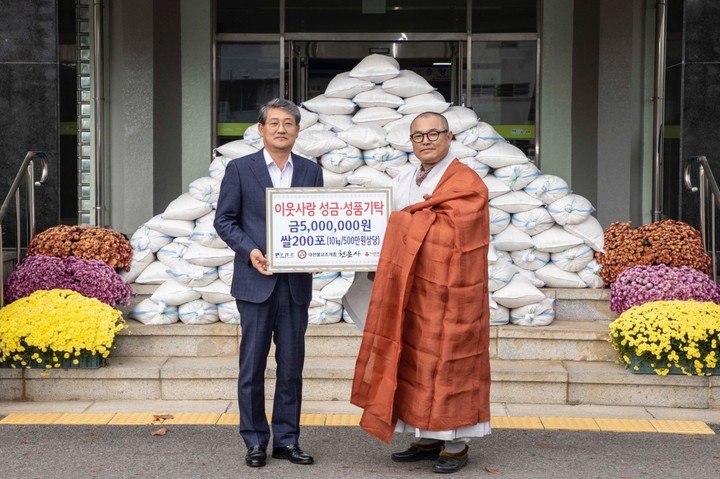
[286,105]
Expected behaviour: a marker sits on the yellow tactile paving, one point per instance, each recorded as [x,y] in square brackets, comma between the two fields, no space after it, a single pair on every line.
[31,418]
[229,419]
[342,420]
[76,418]
[193,418]
[570,423]
[135,419]
[681,427]
[625,425]
[504,422]
[312,419]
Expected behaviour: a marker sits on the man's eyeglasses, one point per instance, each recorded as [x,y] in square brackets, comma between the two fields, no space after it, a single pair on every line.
[431,136]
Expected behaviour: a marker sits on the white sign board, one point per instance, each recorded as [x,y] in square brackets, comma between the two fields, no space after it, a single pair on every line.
[326,229]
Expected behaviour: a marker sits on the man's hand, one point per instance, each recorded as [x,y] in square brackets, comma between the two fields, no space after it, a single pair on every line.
[259,262]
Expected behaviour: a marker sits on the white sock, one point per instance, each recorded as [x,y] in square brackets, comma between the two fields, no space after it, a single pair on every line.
[425,441]
[456,446]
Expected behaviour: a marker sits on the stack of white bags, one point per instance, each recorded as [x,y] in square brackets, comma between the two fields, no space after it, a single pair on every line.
[542,234]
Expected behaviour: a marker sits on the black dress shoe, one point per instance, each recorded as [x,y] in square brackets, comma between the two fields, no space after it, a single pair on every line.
[418,452]
[256,456]
[449,462]
[292,453]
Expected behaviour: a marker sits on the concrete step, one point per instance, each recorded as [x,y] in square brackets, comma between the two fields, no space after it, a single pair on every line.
[330,379]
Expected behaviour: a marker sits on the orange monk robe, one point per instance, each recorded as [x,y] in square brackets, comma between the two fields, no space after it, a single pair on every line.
[424,354]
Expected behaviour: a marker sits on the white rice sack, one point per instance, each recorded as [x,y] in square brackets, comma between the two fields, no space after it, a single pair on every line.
[482,137]
[217,167]
[173,293]
[205,189]
[322,279]
[307,118]
[345,86]
[502,154]
[492,253]
[384,157]
[555,239]
[216,292]
[512,239]
[146,238]
[140,260]
[170,227]
[590,274]
[515,202]
[171,253]
[198,312]
[150,312]
[376,115]
[185,207]
[364,136]
[206,218]
[376,68]
[348,276]
[433,101]
[368,176]
[458,150]
[530,259]
[334,180]
[547,188]
[228,312]
[225,272]
[252,136]
[500,274]
[499,315]
[533,221]
[407,83]
[394,169]
[317,127]
[405,121]
[571,209]
[204,233]
[480,168]
[520,292]
[517,177]
[498,220]
[538,314]
[377,97]
[192,275]
[531,276]
[316,300]
[590,231]
[573,259]
[315,143]
[205,256]
[329,313]
[503,256]
[342,160]
[183,240]
[495,187]
[236,149]
[554,277]
[335,289]
[330,106]
[460,118]
[399,138]
[154,273]
[337,123]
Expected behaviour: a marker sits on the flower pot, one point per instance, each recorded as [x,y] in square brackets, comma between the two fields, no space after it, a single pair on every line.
[645,368]
[84,361]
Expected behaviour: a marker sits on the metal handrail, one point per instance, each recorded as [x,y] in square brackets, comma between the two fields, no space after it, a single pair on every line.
[27,171]
[708,189]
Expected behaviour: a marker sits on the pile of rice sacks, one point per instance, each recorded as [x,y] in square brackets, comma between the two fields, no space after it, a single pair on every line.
[543,235]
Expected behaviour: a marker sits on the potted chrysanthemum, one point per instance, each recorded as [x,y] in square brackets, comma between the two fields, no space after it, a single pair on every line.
[57,328]
[669,337]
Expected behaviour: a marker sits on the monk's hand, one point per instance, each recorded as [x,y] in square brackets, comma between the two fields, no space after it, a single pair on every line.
[426,196]
[259,262]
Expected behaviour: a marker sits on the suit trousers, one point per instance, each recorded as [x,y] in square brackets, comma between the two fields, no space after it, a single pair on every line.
[281,320]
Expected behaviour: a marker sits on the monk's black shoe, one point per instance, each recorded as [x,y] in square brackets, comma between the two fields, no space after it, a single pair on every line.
[256,456]
[418,452]
[451,462]
[292,453]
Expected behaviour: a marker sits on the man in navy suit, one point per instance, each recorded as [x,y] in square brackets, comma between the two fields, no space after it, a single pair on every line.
[272,306]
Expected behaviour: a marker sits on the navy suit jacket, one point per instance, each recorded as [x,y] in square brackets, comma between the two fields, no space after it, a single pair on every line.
[240,221]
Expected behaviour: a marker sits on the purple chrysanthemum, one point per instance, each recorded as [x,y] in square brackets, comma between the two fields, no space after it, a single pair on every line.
[90,277]
[641,284]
